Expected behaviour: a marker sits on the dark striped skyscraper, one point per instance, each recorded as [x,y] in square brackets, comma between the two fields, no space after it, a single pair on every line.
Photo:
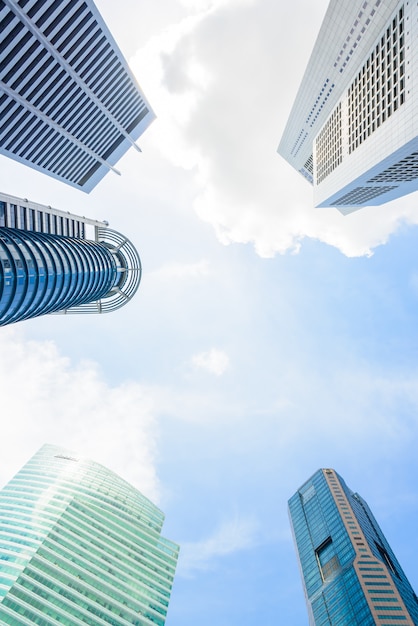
[350,574]
[79,545]
[69,105]
[49,263]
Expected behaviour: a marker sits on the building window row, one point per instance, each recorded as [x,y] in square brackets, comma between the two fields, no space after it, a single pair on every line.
[37,82]
[26,218]
[361,195]
[404,171]
[356,33]
[328,146]
[379,88]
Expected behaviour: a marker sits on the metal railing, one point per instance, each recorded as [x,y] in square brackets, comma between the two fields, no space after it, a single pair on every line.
[130,272]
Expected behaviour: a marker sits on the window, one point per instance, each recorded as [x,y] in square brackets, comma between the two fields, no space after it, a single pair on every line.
[327,560]
[22,218]
[386,559]
[31,225]
[404,170]
[308,494]
[361,195]
[328,146]
[378,90]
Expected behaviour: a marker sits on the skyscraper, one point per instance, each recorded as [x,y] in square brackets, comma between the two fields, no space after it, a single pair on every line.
[353,130]
[350,573]
[79,545]
[49,263]
[69,105]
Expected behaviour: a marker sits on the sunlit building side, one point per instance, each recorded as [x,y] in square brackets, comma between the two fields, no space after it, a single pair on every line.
[353,131]
[349,571]
[79,545]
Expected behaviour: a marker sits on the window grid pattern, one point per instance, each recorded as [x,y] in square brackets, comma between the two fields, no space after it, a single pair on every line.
[356,33]
[359,590]
[306,174]
[82,547]
[53,122]
[379,88]
[329,146]
[42,273]
[334,596]
[299,141]
[361,195]
[309,164]
[404,171]
[319,103]
[382,555]
[25,218]
[363,531]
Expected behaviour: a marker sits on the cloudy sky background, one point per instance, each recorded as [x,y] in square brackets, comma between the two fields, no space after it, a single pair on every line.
[267,339]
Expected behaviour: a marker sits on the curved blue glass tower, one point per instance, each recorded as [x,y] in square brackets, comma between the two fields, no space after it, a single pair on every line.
[46,273]
[47,265]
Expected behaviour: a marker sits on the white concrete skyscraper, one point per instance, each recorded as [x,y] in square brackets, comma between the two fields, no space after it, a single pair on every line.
[353,129]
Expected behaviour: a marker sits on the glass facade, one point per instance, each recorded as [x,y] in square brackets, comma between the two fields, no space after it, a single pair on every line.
[42,273]
[79,545]
[52,261]
[350,574]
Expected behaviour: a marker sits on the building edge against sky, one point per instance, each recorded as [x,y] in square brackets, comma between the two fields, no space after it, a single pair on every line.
[55,262]
[70,106]
[350,574]
[80,545]
[353,129]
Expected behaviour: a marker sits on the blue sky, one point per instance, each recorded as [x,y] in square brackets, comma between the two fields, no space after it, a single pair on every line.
[267,339]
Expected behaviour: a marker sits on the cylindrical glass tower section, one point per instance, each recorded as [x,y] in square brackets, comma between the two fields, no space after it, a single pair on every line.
[42,273]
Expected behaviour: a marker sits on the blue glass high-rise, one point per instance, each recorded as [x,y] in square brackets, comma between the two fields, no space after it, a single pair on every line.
[48,265]
[350,573]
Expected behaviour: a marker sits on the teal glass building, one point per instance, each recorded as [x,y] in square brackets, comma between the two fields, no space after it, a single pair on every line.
[350,574]
[56,262]
[79,545]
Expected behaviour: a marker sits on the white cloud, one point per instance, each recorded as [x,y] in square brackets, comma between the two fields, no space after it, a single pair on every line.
[206,5]
[172,78]
[231,536]
[222,82]
[182,270]
[214,361]
[47,399]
